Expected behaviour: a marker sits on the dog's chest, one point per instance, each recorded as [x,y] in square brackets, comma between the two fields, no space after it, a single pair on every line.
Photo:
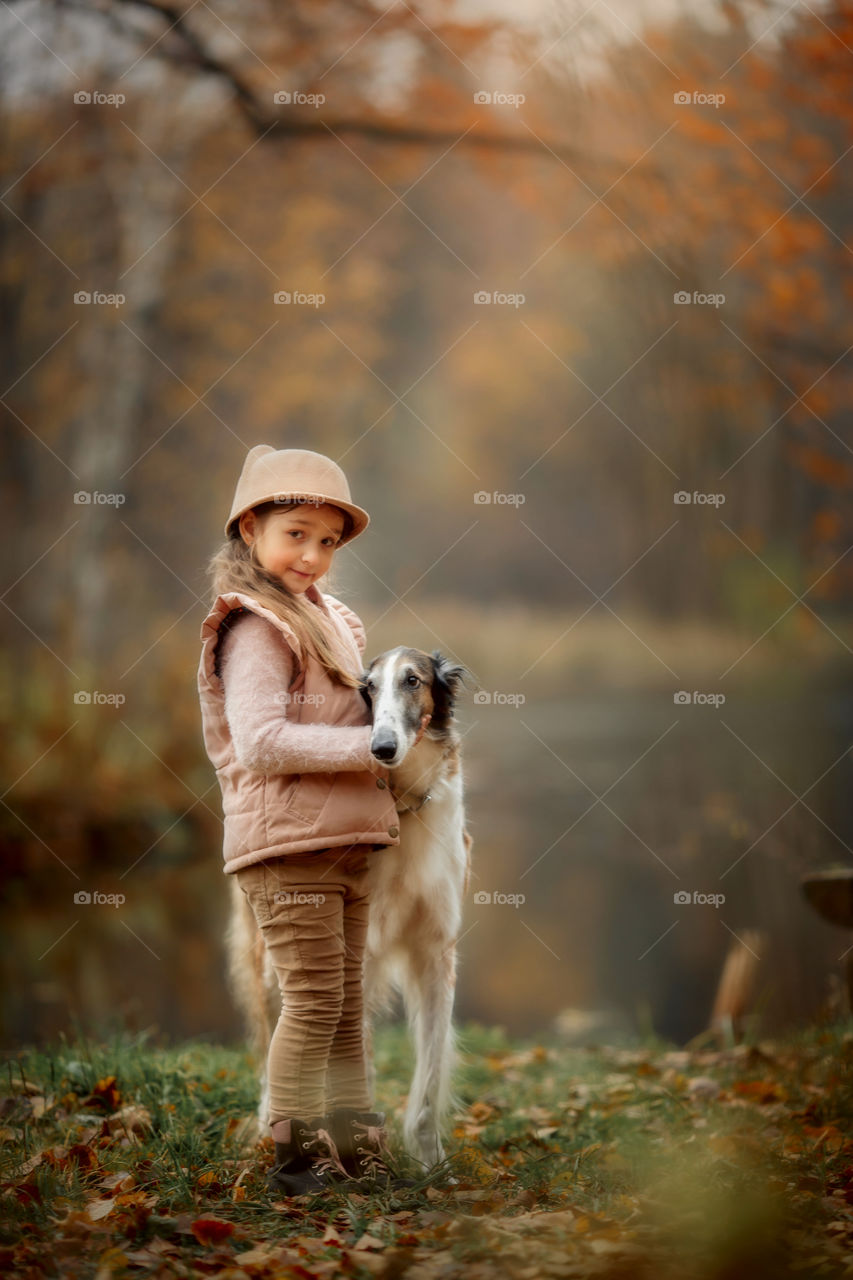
[428,841]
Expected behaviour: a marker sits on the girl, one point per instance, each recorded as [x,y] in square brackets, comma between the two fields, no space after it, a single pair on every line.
[305,803]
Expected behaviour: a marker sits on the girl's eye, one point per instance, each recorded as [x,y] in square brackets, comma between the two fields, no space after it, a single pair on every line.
[412,680]
[297,533]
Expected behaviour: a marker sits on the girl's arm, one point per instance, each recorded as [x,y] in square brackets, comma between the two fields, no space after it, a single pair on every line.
[257,666]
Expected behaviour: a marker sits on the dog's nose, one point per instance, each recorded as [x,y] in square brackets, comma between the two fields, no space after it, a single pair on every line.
[384,749]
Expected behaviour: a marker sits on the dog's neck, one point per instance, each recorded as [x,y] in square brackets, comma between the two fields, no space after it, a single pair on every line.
[411,782]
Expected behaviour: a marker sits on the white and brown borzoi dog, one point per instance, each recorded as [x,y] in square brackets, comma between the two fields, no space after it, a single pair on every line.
[416,892]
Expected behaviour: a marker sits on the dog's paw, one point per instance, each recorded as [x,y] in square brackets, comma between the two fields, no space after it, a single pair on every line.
[247,1133]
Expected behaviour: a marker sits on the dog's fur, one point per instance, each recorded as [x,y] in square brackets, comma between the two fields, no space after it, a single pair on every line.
[416,892]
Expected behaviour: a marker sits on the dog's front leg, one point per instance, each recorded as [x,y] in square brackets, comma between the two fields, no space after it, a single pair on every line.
[431,1019]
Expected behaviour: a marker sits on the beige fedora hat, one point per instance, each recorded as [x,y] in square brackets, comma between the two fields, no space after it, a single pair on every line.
[284,475]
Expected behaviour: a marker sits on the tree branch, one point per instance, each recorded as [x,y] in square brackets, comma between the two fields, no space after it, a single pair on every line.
[266,123]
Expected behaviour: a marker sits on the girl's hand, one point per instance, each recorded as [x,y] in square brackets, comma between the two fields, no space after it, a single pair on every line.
[425,719]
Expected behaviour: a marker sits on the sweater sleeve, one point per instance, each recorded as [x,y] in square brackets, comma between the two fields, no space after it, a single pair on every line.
[257,667]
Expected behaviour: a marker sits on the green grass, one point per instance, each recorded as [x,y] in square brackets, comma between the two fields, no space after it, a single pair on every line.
[568,1162]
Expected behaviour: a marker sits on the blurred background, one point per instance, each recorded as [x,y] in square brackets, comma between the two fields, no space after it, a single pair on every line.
[566,290]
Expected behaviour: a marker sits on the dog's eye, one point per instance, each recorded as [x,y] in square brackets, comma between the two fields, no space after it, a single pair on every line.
[412,680]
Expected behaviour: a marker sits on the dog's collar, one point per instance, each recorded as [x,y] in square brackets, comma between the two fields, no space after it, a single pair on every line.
[427,795]
[413,808]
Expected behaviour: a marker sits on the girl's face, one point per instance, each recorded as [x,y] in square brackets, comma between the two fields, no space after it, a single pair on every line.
[296,545]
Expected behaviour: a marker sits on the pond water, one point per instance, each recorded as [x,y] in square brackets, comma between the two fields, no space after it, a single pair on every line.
[600,808]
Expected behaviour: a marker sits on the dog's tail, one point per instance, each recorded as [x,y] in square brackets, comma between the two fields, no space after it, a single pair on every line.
[246,960]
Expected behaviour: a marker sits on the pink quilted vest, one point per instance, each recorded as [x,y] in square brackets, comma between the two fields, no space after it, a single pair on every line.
[271,816]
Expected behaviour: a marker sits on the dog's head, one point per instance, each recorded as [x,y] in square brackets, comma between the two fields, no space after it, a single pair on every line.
[400,687]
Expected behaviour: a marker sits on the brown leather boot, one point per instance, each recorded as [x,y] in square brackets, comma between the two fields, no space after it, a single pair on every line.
[362,1144]
[306,1157]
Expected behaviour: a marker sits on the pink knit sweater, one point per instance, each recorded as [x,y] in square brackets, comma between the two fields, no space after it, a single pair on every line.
[257,667]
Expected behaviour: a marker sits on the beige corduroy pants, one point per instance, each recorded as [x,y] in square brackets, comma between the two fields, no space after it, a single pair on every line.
[312,912]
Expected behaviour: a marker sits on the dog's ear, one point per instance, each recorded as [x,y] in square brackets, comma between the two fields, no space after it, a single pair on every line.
[447,678]
[362,688]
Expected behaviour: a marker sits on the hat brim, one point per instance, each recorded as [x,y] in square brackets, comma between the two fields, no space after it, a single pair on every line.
[360,517]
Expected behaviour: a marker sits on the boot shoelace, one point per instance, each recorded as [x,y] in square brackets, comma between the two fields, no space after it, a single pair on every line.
[373,1134]
[331,1160]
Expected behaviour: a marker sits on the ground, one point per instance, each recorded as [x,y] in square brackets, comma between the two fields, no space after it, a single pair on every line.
[121,1159]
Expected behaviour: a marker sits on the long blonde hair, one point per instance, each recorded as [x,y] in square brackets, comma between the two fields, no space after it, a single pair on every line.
[235,567]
